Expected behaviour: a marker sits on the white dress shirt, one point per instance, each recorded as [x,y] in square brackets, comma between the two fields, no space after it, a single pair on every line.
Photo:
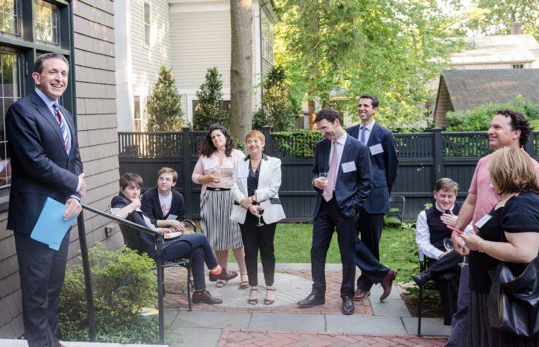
[368,131]
[422,235]
[340,148]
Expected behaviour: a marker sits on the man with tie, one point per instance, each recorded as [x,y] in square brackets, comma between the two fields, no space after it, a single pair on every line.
[45,163]
[341,175]
[385,165]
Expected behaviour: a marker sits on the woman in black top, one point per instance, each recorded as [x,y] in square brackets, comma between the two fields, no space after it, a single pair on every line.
[514,177]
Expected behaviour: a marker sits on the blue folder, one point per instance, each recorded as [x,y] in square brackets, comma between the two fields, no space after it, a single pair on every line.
[51,226]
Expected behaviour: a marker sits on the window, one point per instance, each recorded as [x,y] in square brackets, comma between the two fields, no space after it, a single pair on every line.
[47,22]
[147,23]
[137,114]
[18,51]
[267,39]
[10,16]
[518,66]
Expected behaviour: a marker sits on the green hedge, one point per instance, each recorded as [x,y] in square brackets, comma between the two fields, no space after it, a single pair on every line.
[297,144]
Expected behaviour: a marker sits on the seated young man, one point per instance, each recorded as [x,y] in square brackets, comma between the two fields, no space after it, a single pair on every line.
[127,205]
[431,230]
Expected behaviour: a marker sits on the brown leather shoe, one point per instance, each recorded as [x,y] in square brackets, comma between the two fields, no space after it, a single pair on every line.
[223,275]
[205,297]
[387,284]
[361,294]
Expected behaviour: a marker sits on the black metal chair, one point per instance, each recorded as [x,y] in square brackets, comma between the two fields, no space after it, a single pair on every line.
[398,202]
[133,241]
[430,285]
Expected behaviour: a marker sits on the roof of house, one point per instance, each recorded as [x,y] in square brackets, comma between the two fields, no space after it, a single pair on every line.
[471,88]
[498,49]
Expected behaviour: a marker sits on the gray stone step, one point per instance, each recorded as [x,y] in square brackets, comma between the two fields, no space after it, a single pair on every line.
[22,343]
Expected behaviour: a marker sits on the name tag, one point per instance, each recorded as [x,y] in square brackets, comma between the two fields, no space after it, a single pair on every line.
[348,167]
[243,173]
[172,217]
[376,149]
[210,165]
[483,221]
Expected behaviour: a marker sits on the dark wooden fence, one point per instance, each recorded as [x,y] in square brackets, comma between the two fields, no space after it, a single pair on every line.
[424,158]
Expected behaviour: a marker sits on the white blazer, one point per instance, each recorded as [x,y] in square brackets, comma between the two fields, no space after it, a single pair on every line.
[267,193]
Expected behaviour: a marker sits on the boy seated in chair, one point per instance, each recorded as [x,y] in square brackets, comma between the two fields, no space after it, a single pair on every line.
[431,230]
[127,205]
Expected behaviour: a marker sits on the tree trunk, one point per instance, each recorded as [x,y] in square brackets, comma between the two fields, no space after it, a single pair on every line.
[312,113]
[241,68]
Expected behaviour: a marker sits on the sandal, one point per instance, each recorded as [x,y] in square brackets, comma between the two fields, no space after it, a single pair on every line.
[220,283]
[244,284]
[266,301]
[253,301]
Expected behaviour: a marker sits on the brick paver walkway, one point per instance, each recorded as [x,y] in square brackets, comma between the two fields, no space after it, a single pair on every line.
[175,297]
[236,338]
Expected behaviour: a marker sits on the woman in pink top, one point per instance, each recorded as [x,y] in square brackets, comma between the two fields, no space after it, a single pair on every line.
[214,171]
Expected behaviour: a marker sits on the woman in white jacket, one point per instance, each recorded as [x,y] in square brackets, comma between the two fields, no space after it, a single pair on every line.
[255,189]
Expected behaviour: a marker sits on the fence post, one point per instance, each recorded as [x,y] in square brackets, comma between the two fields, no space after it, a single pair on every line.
[438,153]
[530,146]
[268,149]
[187,171]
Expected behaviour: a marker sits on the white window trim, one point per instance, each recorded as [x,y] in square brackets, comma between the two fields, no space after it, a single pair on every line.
[144,44]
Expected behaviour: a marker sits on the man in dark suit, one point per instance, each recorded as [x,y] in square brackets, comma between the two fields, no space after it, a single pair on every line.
[45,163]
[341,175]
[385,165]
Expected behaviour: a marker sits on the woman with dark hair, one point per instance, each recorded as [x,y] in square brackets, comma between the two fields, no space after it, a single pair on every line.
[214,171]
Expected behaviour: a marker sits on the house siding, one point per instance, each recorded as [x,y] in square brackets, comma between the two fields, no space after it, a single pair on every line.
[96,128]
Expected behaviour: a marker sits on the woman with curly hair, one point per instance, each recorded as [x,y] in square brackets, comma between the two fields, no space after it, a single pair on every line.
[214,171]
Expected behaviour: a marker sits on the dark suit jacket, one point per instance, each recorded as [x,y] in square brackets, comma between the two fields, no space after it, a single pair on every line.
[40,165]
[151,206]
[385,166]
[148,243]
[352,188]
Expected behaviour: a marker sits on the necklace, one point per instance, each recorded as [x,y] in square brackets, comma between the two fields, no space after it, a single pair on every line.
[255,166]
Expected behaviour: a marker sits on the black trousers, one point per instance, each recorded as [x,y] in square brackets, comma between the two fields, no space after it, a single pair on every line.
[328,219]
[446,274]
[370,227]
[255,238]
[42,272]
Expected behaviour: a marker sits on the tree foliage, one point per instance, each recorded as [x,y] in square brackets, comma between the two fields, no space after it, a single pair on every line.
[209,109]
[279,108]
[478,119]
[338,50]
[164,104]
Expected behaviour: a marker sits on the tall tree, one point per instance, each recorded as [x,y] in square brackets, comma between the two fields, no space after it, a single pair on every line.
[338,50]
[241,69]
[164,104]
[209,109]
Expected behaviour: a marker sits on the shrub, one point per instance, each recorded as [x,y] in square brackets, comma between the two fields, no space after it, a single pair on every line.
[164,104]
[478,119]
[297,144]
[123,283]
[209,109]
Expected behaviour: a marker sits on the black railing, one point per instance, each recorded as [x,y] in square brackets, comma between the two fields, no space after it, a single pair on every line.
[88,276]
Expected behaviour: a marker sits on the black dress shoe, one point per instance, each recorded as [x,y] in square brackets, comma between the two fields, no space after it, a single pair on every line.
[205,297]
[348,307]
[223,275]
[311,300]
[422,278]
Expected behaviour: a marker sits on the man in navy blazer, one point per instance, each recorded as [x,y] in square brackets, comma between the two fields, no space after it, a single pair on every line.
[385,165]
[341,195]
[45,163]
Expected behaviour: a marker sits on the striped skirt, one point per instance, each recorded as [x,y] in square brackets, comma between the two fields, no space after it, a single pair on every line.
[215,210]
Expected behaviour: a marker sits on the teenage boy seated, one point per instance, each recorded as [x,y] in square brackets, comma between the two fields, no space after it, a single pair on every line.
[127,205]
[163,205]
[431,230]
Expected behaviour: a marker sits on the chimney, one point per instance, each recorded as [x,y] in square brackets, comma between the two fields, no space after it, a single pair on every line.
[516,28]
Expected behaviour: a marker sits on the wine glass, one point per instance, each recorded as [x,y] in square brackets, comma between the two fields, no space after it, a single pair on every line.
[464,262]
[323,177]
[260,212]
[448,244]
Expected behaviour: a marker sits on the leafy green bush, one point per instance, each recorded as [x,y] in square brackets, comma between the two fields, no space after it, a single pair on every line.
[164,104]
[209,109]
[478,119]
[123,284]
[297,144]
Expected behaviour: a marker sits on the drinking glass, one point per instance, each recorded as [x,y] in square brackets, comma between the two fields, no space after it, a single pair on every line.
[464,262]
[448,244]
[323,176]
[260,212]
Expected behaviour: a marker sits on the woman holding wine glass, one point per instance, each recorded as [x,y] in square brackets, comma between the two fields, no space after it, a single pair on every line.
[257,208]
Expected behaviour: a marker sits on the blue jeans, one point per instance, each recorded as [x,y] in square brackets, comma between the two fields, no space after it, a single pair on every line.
[202,253]
[459,325]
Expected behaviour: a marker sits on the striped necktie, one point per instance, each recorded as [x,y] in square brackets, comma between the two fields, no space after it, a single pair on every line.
[63,128]
[362,139]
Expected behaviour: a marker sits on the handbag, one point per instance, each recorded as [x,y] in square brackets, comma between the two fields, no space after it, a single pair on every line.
[513,300]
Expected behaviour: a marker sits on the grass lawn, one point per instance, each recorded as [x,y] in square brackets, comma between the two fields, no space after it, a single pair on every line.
[397,248]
